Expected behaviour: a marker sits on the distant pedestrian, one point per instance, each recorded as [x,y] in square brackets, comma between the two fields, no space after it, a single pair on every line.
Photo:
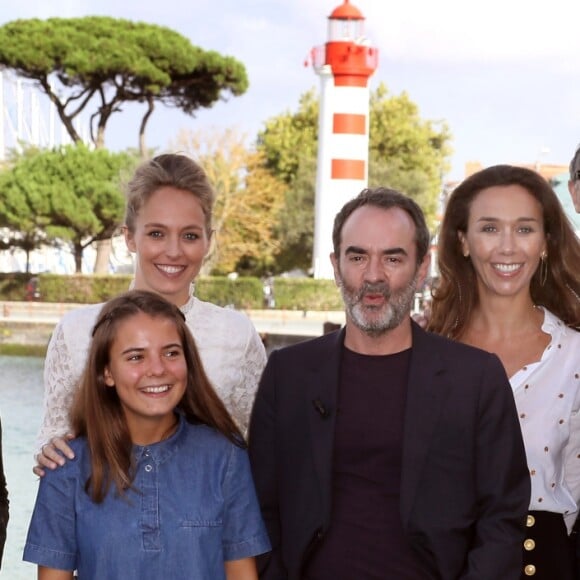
[268,287]
[33,289]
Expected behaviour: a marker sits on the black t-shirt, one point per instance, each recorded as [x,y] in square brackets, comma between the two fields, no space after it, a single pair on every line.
[366,538]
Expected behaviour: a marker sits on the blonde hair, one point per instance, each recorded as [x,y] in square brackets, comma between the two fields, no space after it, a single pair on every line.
[168,170]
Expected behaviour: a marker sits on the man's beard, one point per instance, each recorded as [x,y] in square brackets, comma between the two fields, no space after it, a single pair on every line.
[377,320]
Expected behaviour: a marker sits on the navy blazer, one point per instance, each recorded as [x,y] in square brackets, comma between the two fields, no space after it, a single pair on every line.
[465,485]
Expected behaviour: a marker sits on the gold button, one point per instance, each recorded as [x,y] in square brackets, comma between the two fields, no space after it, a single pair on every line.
[530,570]
[529,544]
[530,521]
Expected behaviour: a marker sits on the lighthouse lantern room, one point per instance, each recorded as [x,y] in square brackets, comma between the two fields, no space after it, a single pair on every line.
[346,23]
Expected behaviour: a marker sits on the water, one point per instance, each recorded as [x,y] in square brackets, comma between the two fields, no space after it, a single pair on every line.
[20,408]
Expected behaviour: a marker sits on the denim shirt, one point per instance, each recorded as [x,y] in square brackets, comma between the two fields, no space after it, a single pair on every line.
[193,507]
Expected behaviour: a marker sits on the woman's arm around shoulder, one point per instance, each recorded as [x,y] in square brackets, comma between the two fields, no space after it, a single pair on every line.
[63,366]
[52,449]
[60,382]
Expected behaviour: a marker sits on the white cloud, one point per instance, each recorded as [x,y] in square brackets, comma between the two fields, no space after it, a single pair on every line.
[498,30]
[442,30]
[502,72]
[463,30]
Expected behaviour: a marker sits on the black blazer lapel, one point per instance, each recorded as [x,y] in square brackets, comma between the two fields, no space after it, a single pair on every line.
[426,393]
[321,400]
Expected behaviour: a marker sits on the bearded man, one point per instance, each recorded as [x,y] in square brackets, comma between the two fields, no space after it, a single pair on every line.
[381,451]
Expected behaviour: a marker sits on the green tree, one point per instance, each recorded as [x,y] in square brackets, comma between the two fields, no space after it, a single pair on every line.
[97,63]
[23,213]
[406,152]
[295,227]
[248,201]
[290,138]
[289,146]
[70,194]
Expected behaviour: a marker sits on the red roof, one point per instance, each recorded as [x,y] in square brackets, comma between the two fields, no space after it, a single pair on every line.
[346,11]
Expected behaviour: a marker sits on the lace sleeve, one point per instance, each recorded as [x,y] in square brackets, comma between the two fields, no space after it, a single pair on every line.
[253,363]
[59,388]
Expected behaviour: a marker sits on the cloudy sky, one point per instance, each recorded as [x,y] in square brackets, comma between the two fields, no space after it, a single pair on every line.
[504,74]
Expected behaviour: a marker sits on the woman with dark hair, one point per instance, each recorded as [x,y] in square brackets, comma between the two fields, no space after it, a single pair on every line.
[160,485]
[168,227]
[509,264]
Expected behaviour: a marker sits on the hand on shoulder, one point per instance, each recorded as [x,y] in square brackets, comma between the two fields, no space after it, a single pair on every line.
[54,454]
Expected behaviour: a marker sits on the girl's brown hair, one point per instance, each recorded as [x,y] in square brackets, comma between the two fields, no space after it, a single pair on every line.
[97,412]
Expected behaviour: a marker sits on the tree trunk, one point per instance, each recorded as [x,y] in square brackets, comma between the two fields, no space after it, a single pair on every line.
[142,144]
[104,248]
[100,140]
[78,248]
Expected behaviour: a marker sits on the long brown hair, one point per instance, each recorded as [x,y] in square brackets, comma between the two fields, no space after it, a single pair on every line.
[456,294]
[97,412]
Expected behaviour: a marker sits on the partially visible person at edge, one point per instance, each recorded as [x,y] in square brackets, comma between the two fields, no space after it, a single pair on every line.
[168,226]
[3,502]
[381,450]
[160,486]
[510,284]
[574,182]
[574,189]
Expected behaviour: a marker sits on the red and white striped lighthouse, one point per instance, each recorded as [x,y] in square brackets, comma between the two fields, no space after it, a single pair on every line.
[344,64]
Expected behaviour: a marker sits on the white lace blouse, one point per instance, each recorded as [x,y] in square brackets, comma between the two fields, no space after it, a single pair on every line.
[547,395]
[231,350]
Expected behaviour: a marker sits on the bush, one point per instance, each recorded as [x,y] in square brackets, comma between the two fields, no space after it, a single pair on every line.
[244,293]
[306,294]
[13,286]
[82,289]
